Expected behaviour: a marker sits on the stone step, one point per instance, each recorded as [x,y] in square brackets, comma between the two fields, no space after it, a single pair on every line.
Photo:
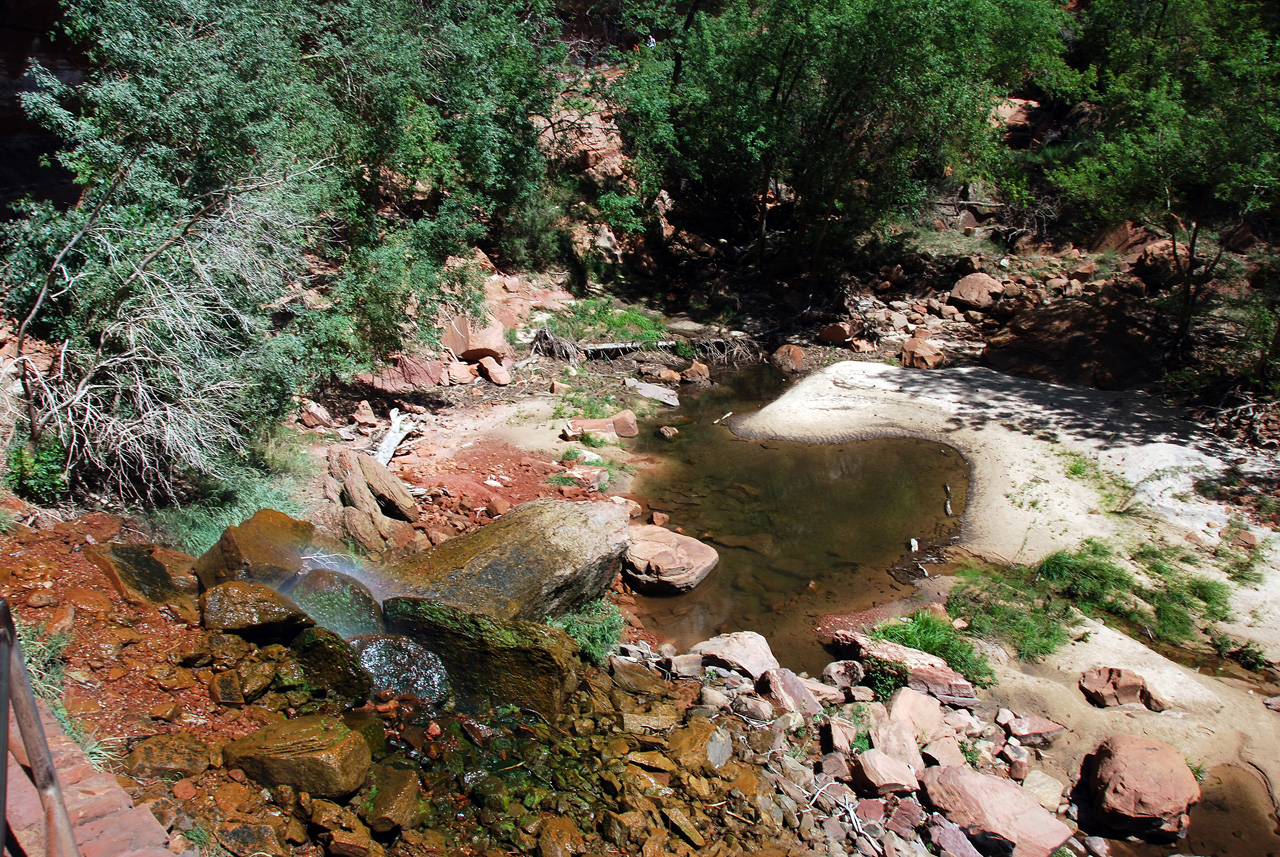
[104,820]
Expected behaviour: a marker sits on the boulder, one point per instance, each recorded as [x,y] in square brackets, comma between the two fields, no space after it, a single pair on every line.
[331,666]
[338,602]
[315,754]
[787,692]
[408,374]
[470,343]
[660,562]
[922,713]
[495,371]
[169,757]
[925,673]
[945,752]
[401,665]
[744,651]
[393,498]
[920,353]
[492,661]
[541,559]
[843,674]
[975,291]
[1109,686]
[251,610]
[269,548]
[1141,785]
[879,773]
[150,575]
[996,814]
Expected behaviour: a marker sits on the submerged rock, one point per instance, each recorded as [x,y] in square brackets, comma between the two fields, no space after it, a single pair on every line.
[338,602]
[660,562]
[316,754]
[269,548]
[541,559]
[402,665]
[491,661]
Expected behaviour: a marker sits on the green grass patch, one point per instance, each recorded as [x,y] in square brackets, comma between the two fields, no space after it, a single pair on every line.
[599,320]
[561,480]
[1114,493]
[1086,576]
[597,629]
[594,441]
[936,636]
[1002,604]
[196,527]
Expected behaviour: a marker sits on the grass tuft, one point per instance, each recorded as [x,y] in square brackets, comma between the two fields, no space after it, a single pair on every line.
[597,629]
[936,636]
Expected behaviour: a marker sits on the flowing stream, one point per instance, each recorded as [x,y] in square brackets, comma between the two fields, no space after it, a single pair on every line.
[803,530]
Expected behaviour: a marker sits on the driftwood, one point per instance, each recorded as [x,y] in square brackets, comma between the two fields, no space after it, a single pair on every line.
[401,427]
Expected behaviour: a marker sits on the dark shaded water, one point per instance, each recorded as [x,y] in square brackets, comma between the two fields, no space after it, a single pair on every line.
[803,530]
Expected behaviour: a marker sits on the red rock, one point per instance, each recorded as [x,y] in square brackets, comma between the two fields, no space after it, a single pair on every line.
[918,353]
[840,333]
[698,373]
[1142,785]
[789,358]
[1108,686]
[668,432]
[975,291]
[364,415]
[996,811]
[498,506]
[461,374]
[314,415]
[494,371]
[922,713]
[879,773]
[660,519]
[746,652]
[1035,731]
[659,561]
[625,425]
[905,818]
[787,692]
[949,838]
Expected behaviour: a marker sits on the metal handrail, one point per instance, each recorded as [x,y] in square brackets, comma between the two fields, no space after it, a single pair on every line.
[59,840]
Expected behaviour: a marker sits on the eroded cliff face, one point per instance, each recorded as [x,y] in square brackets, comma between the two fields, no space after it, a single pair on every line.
[24,36]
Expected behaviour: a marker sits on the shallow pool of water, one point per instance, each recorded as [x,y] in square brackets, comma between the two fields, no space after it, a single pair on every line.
[803,530]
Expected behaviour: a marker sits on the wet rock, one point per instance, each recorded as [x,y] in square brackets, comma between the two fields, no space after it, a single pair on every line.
[1110,686]
[925,673]
[401,665]
[253,610]
[879,773]
[331,666]
[995,813]
[787,693]
[491,661]
[541,559]
[560,837]
[394,802]
[174,756]
[338,602]
[660,562]
[743,651]
[250,840]
[636,678]
[700,747]
[1142,785]
[269,548]
[315,754]
[150,574]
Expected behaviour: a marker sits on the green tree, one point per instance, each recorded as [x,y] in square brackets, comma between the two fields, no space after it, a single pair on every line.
[1183,128]
[858,106]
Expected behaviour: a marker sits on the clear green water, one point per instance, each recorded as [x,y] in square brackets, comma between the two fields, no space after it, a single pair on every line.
[803,530]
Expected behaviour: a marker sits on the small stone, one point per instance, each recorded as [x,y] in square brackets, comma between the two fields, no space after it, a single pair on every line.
[169,712]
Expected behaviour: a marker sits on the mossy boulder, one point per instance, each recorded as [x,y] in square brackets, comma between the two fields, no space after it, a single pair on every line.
[402,665]
[394,802]
[318,755]
[253,611]
[338,602]
[542,559]
[492,661]
[269,548]
[331,667]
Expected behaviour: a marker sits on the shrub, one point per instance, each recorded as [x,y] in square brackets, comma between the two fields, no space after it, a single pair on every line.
[39,474]
[936,636]
[597,629]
